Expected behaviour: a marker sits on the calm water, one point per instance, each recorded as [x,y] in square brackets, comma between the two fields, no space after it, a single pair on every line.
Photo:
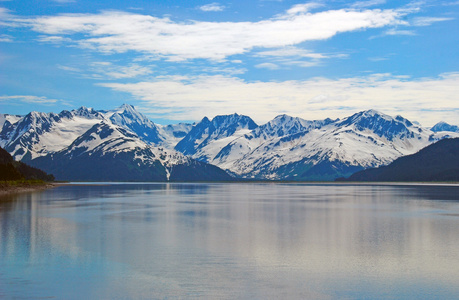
[237,241]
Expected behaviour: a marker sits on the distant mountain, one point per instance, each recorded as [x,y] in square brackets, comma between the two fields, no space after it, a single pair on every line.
[285,148]
[38,134]
[436,162]
[443,126]
[289,148]
[13,170]
[129,118]
[202,140]
[108,152]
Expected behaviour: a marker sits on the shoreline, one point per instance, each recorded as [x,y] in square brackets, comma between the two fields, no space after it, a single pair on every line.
[24,188]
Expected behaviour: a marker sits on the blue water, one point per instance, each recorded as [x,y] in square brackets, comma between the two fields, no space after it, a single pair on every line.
[231,241]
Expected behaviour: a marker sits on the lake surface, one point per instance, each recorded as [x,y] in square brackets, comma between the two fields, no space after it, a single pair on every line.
[231,241]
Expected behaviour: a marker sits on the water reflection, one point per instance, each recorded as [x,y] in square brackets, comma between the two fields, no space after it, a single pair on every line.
[231,241]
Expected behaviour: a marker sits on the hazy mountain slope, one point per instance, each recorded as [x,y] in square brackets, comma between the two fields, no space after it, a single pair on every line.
[436,162]
[173,133]
[443,126]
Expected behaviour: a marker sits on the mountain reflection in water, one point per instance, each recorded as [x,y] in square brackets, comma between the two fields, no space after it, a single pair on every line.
[244,241]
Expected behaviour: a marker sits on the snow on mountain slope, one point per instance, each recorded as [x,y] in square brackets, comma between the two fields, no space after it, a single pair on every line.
[109,152]
[286,147]
[172,134]
[38,134]
[206,139]
[128,117]
[7,125]
[105,138]
[366,139]
[292,148]
[286,125]
[8,118]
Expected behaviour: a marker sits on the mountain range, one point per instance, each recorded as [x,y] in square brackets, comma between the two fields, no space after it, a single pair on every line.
[123,144]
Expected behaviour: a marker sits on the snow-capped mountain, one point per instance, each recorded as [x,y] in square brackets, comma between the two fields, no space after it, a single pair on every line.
[110,152]
[285,148]
[8,119]
[38,134]
[290,148]
[285,125]
[129,118]
[207,137]
[443,126]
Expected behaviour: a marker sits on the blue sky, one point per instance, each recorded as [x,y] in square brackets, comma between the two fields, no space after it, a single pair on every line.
[183,60]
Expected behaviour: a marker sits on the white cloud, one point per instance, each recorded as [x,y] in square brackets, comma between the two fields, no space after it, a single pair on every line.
[369,3]
[269,66]
[394,31]
[293,56]
[291,51]
[378,58]
[70,69]
[52,39]
[212,7]
[303,8]
[108,70]
[118,32]
[427,21]
[30,99]
[427,100]
[4,14]
[5,38]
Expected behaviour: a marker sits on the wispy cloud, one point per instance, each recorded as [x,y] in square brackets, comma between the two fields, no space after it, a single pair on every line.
[212,7]
[302,8]
[54,39]
[32,99]
[70,69]
[291,52]
[5,38]
[293,56]
[369,3]
[112,71]
[119,32]
[394,31]
[269,66]
[104,70]
[427,21]
[191,98]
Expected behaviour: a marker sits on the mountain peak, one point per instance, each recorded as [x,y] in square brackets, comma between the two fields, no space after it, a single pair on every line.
[381,124]
[129,118]
[127,107]
[86,112]
[443,126]
[234,122]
